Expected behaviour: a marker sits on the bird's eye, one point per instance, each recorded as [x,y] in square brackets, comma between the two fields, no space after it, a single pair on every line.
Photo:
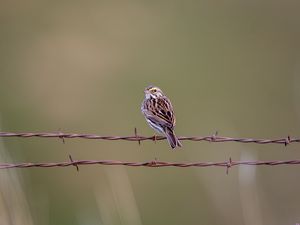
[154,90]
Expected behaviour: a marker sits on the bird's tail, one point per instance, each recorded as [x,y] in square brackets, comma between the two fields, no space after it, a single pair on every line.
[172,139]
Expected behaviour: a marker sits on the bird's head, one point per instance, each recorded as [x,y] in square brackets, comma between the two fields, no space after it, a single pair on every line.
[152,92]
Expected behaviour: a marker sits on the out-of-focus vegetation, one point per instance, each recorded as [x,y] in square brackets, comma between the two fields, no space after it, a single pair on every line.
[82,66]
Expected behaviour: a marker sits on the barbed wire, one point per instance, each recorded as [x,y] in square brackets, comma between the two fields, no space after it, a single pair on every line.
[227,164]
[211,138]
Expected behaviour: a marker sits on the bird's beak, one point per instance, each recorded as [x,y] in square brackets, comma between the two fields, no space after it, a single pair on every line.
[147,94]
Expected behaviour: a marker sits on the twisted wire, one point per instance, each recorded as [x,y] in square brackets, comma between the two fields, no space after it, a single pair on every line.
[227,164]
[211,138]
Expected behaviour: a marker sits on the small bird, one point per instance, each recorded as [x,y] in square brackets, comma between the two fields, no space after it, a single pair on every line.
[158,111]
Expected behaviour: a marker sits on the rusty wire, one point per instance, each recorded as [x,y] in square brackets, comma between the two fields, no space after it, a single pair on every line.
[211,138]
[227,164]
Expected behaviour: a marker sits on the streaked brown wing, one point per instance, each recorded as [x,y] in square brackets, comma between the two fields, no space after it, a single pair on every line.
[165,110]
[160,111]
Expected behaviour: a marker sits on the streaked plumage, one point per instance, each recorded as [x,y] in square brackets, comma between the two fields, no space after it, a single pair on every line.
[159,114]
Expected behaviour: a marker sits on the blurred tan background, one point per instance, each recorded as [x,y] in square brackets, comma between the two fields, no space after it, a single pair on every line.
[82,66]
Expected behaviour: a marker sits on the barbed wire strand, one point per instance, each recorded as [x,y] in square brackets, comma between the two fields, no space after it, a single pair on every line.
[227,164]
[211,138]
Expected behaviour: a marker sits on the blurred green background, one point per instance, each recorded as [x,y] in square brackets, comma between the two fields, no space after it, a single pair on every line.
[82,66]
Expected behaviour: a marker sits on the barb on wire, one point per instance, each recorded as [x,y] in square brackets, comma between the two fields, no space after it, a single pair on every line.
[211,138]
[229,165]
[74,163]
[136,135]
[155,163]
